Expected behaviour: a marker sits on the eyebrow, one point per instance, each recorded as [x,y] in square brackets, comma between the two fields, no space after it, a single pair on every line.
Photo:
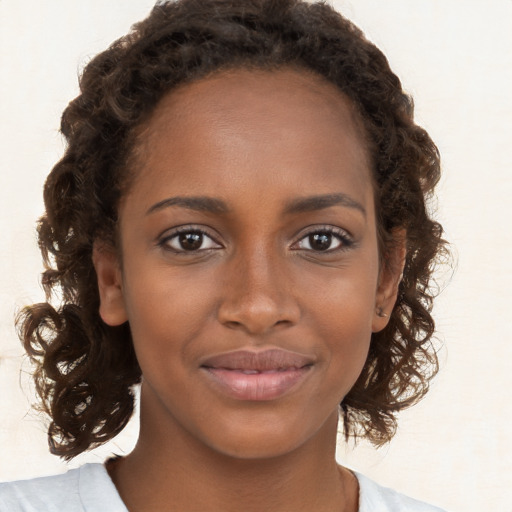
[321,202]
[300,205]
[198,203]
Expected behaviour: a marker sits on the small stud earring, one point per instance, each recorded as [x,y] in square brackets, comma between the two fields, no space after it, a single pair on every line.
[381,313]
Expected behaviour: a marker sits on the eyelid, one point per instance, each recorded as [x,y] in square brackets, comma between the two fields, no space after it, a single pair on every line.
[169,234]
[343,235]
[347,240]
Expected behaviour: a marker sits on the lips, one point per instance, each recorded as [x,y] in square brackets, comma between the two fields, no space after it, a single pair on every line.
[248,375]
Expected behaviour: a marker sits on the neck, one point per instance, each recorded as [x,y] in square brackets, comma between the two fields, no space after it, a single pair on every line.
[170,470]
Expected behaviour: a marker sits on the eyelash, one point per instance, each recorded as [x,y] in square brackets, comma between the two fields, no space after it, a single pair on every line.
[164,242]
[345,240]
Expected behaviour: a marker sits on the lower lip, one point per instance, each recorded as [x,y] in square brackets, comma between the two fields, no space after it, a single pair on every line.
[257,386]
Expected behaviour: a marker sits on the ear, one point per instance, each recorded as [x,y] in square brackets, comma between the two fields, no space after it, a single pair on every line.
[390,276]
[108,271]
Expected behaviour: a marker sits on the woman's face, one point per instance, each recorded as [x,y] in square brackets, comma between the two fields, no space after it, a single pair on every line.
[250,268]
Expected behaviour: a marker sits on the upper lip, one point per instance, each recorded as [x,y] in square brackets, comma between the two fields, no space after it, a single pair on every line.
[266,360]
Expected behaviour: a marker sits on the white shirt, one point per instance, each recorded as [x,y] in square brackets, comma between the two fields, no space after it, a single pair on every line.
[90,489]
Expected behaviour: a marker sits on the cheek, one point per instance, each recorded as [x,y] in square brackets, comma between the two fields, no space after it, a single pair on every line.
[343,299]
[347,341]
[343,314]
[167,311]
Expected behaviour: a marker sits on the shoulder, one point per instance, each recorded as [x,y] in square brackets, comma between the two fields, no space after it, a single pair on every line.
[373,496]
[85,489]
[45,493]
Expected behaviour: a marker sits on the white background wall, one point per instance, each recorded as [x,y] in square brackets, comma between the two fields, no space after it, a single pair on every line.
[455,57]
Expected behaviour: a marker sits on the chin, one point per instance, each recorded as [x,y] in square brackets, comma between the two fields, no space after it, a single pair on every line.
[258,447]
[268,438]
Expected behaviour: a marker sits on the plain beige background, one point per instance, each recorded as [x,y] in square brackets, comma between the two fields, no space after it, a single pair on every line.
[455,56]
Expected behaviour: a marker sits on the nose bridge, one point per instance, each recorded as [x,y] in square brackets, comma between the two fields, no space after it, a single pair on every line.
[257,295]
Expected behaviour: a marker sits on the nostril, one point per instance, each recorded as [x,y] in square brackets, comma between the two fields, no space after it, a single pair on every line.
[253,328]
[233,325]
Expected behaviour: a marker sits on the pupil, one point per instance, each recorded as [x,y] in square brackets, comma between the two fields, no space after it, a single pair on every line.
[191,241]
[320,241]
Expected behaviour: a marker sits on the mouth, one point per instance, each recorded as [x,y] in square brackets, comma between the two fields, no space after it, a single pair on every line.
[257,376]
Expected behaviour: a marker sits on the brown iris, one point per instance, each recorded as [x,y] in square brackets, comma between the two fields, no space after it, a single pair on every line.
[320,241]
[191,241]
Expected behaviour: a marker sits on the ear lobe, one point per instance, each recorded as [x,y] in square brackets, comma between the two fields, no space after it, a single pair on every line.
[389,278]
[106,263]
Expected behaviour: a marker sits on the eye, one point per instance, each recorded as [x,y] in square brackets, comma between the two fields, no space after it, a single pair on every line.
[189,240]
[328,239]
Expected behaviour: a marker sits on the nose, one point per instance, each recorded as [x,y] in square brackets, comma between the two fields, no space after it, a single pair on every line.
[258,295]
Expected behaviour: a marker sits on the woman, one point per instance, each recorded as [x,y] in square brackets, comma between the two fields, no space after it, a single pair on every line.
[239,224]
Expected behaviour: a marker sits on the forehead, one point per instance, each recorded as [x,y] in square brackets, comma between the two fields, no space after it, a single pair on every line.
[280,124]
[256,91]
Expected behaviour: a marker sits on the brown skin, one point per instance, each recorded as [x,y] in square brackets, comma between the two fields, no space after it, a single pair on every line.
[256,141]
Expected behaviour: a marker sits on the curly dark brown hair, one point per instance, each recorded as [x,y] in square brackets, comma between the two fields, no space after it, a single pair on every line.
[85,369]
